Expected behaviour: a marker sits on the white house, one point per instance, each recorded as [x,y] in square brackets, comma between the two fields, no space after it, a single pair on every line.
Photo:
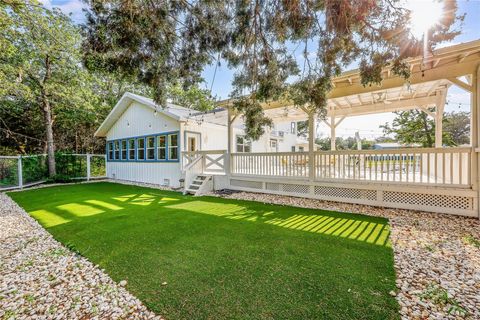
[145,141]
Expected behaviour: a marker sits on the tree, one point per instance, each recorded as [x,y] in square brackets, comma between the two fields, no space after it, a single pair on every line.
[457,126]
[170,42]
[44,64]
[48,100]
[416,127]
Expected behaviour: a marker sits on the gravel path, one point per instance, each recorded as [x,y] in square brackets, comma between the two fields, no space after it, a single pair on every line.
[41,279]
[437,257]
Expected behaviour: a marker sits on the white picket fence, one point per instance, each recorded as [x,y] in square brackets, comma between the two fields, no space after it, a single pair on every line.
[17,172]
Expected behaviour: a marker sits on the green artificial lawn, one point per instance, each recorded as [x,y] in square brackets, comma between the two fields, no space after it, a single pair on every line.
[209,258]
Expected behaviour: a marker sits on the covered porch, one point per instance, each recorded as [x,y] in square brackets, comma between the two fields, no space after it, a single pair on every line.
[439,179]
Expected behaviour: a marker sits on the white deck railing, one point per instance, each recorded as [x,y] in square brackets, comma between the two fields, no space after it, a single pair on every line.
[446,166]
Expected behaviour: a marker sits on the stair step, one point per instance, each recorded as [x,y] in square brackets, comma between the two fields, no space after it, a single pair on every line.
[197,182]
[194,187]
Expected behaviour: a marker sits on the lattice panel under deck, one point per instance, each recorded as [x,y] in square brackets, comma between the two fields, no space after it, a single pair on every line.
[346,193]
[295,188]
[431,200]
[246,184]
[273,186]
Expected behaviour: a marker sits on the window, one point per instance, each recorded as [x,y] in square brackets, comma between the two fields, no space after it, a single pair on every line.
[150,148]
[301,149]
[293,148]
[273,145]
[162,147]
[243,144]
[141,149]
[124,149]
[110,151]
[131,149]
[293,127]
[173,147]
[117,149]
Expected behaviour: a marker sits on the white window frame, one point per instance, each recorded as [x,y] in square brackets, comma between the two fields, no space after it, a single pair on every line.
[116,149]
[110,151]
[172,147]
[241,146]
[147,148]
[131,149]
[123,150]
[140,149]
[164,148]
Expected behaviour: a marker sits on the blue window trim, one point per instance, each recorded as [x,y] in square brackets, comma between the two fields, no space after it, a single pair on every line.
[156,155]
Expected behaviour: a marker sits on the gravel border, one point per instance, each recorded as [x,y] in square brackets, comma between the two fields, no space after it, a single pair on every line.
[437,256]
[42,279]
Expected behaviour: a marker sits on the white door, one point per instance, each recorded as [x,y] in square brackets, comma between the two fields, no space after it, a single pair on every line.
[192,142]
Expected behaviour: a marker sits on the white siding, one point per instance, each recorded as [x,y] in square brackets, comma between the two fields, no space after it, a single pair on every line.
[139,120]
[148,172]
[213,136]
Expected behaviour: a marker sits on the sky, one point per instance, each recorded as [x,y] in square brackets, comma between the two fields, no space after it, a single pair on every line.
[367,126]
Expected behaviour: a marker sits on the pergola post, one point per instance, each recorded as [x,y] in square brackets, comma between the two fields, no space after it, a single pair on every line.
[333,124]
[439,108]
[333,137]
[475,124]
[311,145]
[230,119]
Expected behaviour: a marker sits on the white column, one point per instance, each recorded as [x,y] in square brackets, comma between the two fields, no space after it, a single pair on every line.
[228,161]
[311,145]
[440,106]
[332,133]
[474,135]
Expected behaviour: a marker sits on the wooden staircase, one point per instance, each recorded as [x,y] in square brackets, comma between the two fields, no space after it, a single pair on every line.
[201,184]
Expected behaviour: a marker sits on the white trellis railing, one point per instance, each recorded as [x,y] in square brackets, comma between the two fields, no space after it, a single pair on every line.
[446,166]
[212,161]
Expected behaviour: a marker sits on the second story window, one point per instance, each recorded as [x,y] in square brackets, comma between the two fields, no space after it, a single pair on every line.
[243,144]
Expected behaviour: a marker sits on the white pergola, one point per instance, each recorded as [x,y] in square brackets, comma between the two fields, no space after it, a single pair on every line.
[426,89]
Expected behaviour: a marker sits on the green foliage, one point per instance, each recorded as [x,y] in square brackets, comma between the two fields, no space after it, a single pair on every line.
[349,143]
[44,64]
[416,127]
[161,43]
[438,295]
[470,239]
[211,274]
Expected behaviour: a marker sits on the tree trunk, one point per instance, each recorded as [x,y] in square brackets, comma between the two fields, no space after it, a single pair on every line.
[48,121]
[47,118]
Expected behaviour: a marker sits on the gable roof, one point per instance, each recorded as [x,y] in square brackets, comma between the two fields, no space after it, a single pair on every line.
[171,110]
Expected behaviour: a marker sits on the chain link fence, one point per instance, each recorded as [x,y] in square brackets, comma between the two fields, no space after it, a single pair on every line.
[22,171]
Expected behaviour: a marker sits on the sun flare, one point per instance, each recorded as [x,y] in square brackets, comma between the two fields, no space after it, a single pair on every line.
[425,14]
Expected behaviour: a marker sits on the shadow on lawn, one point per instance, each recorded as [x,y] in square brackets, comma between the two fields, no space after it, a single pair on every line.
[354,227]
